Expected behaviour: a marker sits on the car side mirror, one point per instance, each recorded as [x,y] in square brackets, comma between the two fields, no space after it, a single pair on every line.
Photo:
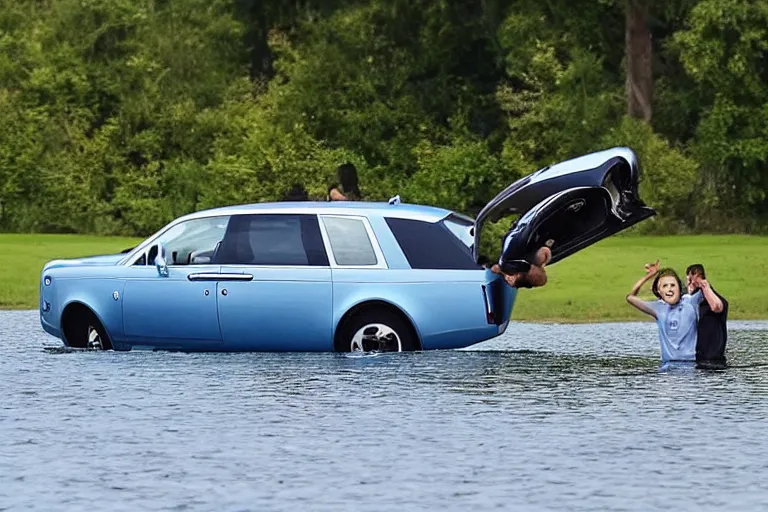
[162,266]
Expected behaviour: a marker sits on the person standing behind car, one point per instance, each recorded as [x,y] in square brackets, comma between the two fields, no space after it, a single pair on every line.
[712,328]
[296,193]
[345,188]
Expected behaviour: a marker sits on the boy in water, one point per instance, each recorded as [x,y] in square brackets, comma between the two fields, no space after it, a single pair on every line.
[676,315]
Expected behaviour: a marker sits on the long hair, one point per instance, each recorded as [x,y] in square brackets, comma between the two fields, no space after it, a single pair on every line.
[347,175]
[664,273]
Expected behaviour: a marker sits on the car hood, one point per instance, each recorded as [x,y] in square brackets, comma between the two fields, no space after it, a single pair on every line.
[108,259]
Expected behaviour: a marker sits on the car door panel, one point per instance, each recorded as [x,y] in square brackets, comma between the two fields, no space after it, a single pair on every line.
[281,308]
[174,307]
[285,301]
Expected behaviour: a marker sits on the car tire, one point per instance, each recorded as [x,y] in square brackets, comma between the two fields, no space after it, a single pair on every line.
[377,330]
[84,330]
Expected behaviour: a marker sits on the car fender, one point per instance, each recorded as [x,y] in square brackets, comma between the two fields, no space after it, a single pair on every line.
[351,302]
[102,296]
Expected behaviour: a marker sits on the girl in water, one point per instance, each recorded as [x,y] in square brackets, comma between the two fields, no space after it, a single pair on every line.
[676,315]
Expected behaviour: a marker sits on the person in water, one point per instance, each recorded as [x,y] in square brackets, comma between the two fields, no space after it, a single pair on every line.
[345,188]
[676,315]
[712,333]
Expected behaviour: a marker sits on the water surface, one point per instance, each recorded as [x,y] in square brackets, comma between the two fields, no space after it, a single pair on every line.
[546,417]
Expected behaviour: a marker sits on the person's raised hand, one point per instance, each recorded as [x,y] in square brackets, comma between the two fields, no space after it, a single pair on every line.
[700,282]
[652,268]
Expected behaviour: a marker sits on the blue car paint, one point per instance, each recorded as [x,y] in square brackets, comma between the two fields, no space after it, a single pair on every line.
[280,309]
[446,306]
[299,309]
[167,309]
[65,290]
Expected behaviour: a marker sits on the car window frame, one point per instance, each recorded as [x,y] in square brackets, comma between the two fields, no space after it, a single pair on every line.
[145,247]
[453,240]
[381,262]
[277,266]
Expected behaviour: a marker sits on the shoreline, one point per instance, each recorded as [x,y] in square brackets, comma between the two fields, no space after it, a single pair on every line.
[513,320]
[588,287]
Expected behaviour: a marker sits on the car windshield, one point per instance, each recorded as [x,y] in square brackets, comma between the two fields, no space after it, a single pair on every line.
[461,228]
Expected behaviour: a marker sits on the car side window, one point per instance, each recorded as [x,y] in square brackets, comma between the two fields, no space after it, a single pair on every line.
[350,242]
[192,242]
[273,239]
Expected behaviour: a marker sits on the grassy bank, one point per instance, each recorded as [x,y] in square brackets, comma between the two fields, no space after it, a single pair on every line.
[587,287]
[590,286]
[22,258]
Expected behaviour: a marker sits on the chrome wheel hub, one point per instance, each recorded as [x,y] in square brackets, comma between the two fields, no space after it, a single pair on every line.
[94,340]
[376,338]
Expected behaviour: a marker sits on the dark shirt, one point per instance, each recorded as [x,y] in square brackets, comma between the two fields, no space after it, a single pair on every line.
[351,195]
[712,333]
[297,193]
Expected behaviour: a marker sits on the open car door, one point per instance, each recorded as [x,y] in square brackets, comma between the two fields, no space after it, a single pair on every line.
[567,206]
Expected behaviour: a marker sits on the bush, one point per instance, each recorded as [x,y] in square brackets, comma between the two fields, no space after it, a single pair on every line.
[667,179]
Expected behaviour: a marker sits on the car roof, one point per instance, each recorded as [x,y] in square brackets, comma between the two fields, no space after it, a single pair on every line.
[400,210]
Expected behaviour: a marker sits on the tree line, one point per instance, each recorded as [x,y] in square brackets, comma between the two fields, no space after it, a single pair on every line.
[120,115]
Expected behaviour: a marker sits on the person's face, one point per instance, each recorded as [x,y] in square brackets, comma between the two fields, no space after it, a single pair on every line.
[691,281]
[669,290]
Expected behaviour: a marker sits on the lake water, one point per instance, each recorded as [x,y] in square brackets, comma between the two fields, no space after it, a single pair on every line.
[547,417]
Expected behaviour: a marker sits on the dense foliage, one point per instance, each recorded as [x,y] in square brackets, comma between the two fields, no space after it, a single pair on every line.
[119,115]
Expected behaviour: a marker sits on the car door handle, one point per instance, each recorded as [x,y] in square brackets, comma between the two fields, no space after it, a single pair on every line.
[215,276]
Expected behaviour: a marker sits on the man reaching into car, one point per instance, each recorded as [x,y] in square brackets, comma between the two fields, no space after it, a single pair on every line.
[527,272]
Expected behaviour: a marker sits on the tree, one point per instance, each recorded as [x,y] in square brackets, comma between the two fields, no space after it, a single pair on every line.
[639,81]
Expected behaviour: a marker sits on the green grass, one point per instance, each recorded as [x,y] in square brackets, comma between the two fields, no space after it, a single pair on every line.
[22,258]
[587,287]
[591,285]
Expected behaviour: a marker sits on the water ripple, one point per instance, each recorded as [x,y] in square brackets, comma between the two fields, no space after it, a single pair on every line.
[545,417]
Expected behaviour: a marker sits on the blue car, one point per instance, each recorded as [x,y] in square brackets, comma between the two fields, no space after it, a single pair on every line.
[339,276]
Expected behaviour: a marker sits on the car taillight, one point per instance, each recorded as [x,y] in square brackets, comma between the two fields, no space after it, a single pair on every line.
[489,316]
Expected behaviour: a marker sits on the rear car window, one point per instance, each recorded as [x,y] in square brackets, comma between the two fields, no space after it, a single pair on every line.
[349,241]
[433,245]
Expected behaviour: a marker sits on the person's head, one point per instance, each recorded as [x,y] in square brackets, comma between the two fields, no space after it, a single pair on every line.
[297,193]
[534,278]
[693,273]
[347,176]
[667,286]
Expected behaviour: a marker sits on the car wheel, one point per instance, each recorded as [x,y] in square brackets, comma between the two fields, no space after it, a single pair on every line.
[378,330]
[84,330]
[95,340]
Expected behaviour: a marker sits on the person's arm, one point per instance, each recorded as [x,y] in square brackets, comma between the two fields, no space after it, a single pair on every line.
[712,299]
[511,279]
[637,302]
[335,195]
